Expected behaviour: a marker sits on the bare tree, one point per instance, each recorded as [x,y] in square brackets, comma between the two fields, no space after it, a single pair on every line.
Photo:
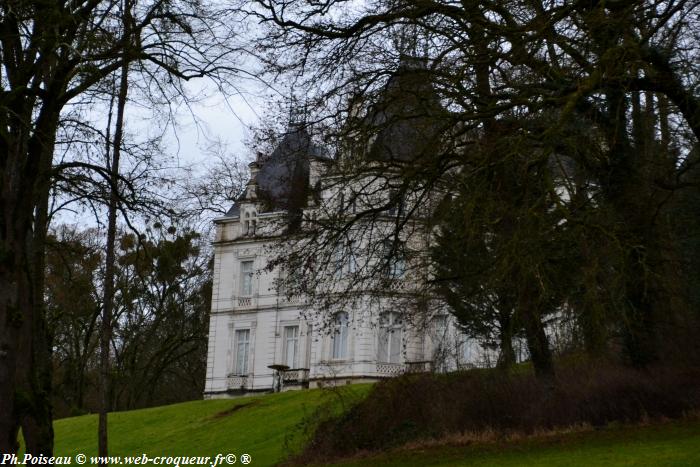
[517,81]
[52,53]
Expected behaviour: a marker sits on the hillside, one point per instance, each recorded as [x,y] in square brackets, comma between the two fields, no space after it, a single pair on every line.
[662,445]
[267,426]
[261,426]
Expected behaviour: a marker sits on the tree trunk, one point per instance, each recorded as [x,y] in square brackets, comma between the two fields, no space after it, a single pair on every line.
[37,418]
[531,317]
[16,323]
[26,167]
[506,356]
[106,331]
[12,305]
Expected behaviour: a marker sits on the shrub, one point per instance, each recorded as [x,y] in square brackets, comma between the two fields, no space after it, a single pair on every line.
[427,406]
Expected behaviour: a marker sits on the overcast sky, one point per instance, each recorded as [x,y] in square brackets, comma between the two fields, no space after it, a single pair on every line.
[218,118]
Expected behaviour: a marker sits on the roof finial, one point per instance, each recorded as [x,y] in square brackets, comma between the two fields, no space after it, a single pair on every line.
[407,42]
[297,112]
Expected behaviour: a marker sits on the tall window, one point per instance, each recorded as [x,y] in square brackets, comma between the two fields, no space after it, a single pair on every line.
[347,203]
[246,278]
[280,287]
[467,350]
[396,203]
[291,345]
[352,259]
[390,338]
[441,343]
[395,259]
[345,259]
[340,335]
[242,343]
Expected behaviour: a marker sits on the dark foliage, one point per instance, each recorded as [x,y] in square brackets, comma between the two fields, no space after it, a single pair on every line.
[425,406]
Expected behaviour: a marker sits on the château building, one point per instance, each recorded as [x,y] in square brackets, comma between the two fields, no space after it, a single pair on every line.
[261,338]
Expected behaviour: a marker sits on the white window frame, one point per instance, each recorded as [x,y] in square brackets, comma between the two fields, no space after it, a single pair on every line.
[441,343]
[290,343]
[390,338]
[395,258]
[339,338]
[345,259]
[250,223]
[241,357]
[246,288]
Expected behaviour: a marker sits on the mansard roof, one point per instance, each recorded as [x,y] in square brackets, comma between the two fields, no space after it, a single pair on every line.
[282,178]
[406,116]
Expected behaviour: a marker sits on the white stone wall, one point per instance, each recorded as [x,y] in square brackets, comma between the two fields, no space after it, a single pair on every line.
[265,314]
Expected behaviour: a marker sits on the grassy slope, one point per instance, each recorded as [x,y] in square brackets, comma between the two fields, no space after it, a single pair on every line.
[194,428]
[669,445]
[262,427]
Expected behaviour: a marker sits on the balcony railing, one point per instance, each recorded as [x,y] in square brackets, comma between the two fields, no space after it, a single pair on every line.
[295,375]
[418,366]
[292,299]
[237,382]
[245,302]
[390,369]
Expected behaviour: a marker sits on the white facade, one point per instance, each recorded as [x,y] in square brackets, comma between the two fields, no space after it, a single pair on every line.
[253,326]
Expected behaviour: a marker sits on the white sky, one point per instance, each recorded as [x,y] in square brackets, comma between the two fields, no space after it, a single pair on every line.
[215,119]
[218,118]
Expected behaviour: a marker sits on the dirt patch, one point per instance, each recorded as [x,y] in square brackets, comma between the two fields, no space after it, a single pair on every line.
[235,408]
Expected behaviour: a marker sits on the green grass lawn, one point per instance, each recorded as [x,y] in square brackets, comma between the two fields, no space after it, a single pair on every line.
[669,445]
[267,427]
[262,426]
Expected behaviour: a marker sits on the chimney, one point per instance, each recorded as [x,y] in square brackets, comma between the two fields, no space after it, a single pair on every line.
[254,169]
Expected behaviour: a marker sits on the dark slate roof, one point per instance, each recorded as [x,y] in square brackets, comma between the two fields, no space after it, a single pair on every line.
[283,177]
[235,211]
[406,116]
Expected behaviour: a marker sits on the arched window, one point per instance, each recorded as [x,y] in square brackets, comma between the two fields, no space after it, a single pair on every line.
[390,338]
[340,335]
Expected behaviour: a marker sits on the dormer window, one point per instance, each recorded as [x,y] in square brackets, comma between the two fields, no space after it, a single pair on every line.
[249,223]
